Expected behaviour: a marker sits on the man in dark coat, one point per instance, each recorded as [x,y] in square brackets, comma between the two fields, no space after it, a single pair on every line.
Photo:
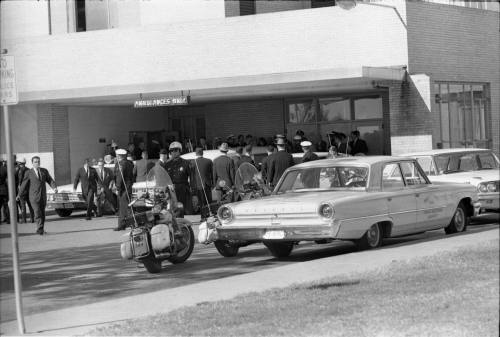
[247,156]
[4,195]
[24,199]
[278,163]
[265,163]
[202,183]
[179,171]
[142,167]
[358,146]
[308,154]
[224,170]
[87,175]
[124,179]
[34,182]
[105,199]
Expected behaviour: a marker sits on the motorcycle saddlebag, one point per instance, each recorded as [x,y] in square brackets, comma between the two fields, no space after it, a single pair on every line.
[126,247]
[160,237]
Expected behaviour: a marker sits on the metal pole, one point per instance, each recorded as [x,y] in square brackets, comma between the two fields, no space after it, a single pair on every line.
[13,221]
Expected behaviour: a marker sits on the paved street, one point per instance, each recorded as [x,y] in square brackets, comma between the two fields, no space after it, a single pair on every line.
[78,262]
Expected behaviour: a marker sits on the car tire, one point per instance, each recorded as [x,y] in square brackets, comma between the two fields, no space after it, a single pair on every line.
[152,265]
[279,249]
[459,221]
[64,213]
[371,239]
[226,248]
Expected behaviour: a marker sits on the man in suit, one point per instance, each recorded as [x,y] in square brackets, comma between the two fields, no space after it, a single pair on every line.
[24,199]
[247,156]
[358,146]
[4,195]
[124,178]
[308,154]
[265,163]
[224,170]
[87,175]
[202,184]
[142,167]
[278,163]
[105,198]
[34,182]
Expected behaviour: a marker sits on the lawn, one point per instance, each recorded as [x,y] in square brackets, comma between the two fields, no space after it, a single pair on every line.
[454,294]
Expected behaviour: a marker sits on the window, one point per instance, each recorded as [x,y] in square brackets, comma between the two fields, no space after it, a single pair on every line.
[463,113]
[302,112]
[487,161]
[391,177]
[335,109]
[81,24]
[247,7]
[427,164]
[412,174]
[368,107]
[322,3]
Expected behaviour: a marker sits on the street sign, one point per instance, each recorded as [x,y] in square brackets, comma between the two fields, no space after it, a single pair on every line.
[8,88]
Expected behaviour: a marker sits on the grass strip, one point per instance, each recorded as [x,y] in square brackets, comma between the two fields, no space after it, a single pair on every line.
[452,294]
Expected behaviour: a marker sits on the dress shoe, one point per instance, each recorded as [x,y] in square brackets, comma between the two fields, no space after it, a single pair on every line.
[39,231]
[88,218]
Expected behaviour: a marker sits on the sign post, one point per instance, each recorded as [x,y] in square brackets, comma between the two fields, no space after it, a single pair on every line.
[8,96]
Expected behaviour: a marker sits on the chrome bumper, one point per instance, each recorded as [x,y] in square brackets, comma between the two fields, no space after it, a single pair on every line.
[490,201]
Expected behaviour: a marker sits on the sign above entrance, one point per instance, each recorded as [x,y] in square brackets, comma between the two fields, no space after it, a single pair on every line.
[165,101]
[8,88]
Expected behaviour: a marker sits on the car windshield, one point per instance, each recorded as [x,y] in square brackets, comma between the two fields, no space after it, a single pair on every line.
[463,162]
[324,179]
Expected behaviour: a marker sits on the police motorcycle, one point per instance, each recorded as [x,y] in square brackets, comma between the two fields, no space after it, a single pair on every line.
[248,185]
[158,230]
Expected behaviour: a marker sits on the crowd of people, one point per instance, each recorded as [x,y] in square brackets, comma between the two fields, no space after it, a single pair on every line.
[109,189]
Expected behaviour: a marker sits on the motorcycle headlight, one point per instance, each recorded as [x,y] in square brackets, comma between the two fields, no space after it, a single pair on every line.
[491,187]
[225,214]
[326,211]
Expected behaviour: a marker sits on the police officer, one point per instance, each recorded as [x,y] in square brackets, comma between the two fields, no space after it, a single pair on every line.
[308,154]
[124,178]
[179,171]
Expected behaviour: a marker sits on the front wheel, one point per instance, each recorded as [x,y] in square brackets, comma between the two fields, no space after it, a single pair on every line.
[371,239]
[64,213]
[279,249]
[187,243]
[459,221]
[226,248]
[152,265]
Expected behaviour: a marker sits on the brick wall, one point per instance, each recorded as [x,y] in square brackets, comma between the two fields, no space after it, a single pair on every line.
[53,136]
[451,43]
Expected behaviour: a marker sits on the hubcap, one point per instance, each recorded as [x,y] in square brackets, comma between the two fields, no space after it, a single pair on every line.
[459,219]
[373,236]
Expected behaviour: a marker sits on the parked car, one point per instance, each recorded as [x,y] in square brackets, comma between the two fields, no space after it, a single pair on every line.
[478,167]
[362,199]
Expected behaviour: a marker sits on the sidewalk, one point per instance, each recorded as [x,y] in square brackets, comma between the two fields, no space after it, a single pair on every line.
[82,319]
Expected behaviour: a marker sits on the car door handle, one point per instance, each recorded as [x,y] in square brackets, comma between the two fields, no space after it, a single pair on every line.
[389,199]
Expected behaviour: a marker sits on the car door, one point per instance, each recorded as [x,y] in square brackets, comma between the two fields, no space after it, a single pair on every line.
[431,203]
[401,201]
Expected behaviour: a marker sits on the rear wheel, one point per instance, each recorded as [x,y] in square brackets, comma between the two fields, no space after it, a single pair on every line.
[152,265]
[226,248]
[371,239]
[459,222]
[187,242]
[279,249]
[63,213]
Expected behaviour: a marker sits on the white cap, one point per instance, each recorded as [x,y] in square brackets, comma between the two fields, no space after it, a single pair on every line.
[175,145]
[121,152]
[305,143]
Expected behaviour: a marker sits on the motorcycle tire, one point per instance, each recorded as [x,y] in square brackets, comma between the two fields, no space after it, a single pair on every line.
[152,265]
[188,236]
[226,249]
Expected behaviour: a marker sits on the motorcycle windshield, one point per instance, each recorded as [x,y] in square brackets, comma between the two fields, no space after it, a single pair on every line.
[246,175]
[158,178]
